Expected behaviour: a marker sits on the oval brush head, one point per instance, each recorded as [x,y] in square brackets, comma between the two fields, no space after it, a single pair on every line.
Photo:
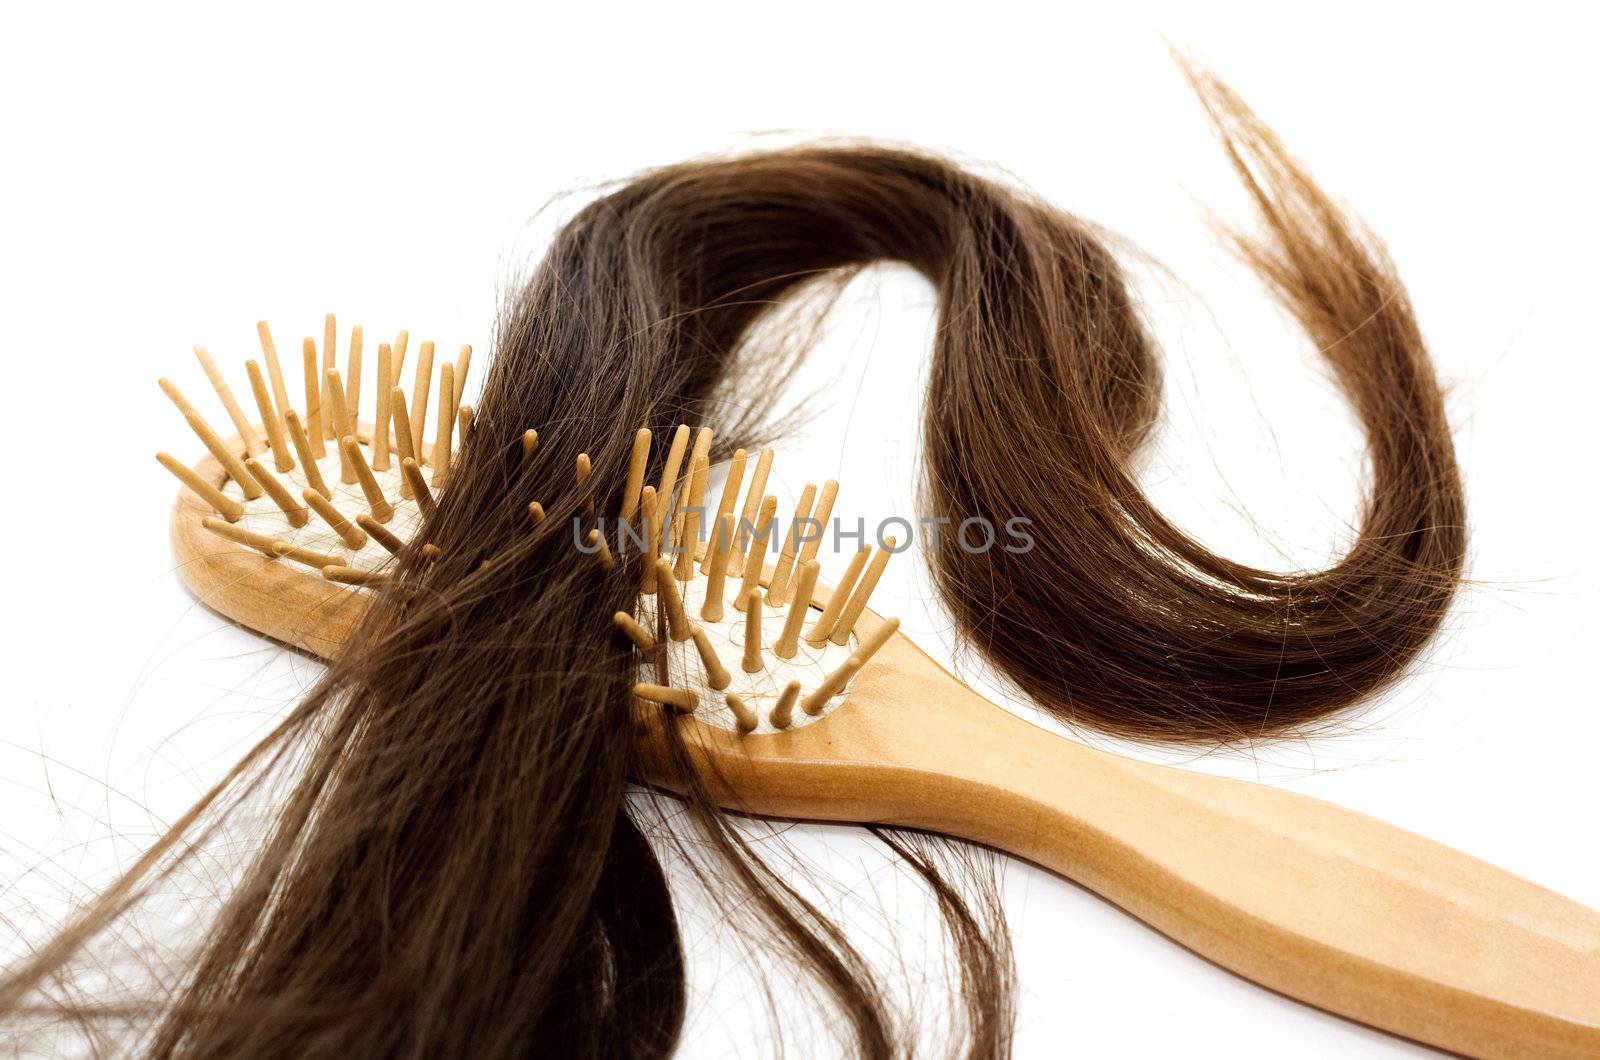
[295,549]
[282,518]
[767,683]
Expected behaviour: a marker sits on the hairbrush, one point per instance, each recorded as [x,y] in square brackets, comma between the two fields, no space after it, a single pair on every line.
[797,700]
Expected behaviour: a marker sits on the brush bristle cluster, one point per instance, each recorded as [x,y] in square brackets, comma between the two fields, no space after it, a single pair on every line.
[304,484]
[706,619]
[343,504]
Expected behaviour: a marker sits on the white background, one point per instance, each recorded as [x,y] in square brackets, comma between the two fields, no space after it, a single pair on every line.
[169,176]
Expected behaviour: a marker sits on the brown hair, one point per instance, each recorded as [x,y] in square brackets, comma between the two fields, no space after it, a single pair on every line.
[1117,618]
[455,871]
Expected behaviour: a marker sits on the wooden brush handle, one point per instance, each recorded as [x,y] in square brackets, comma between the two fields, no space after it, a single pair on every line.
[1318,902]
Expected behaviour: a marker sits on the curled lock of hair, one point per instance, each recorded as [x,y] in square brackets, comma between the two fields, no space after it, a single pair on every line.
[1117,618]
[455,871]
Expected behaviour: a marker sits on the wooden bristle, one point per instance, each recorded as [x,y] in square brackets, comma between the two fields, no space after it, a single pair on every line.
[380,533]
[269,418]
[352,376]
[700,453]
[330,363]
[295,513]
[869,645]
[637,462]
[225,456]
[841,596]
[783,713]
[667,488]
[694,492]
[719,553]
[789,641]
[444,424]
[752,501]
[758,552]
[667,588]
[582,472]
[464,415]
[633,631]
[401,419]
[820,514]
[431,551]
[397,367]
[717,675]
[382,510]
[647,515]
[530,442]
[337,572]
[778,587]
[459,374]
[743,716]
[309,557]
[862,593]
[313,420]
[536,512]
[176,396]
[262,543]
[241,422]
[420,386]
[339,415]
[269,353]
[752,633]
[730,495]
[269,545]
[381,432]
[683,700]
[600,550]
[308,459]
[225,506]
[419,485]
[353,536]
[684,534]
[831,686]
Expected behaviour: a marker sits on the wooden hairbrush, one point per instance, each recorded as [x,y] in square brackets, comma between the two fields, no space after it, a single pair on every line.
[783,717]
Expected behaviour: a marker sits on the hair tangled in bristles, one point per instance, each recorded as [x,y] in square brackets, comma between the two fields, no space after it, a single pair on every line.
[455,871]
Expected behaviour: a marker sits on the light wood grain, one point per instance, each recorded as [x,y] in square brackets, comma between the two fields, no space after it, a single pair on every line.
[1314,901]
